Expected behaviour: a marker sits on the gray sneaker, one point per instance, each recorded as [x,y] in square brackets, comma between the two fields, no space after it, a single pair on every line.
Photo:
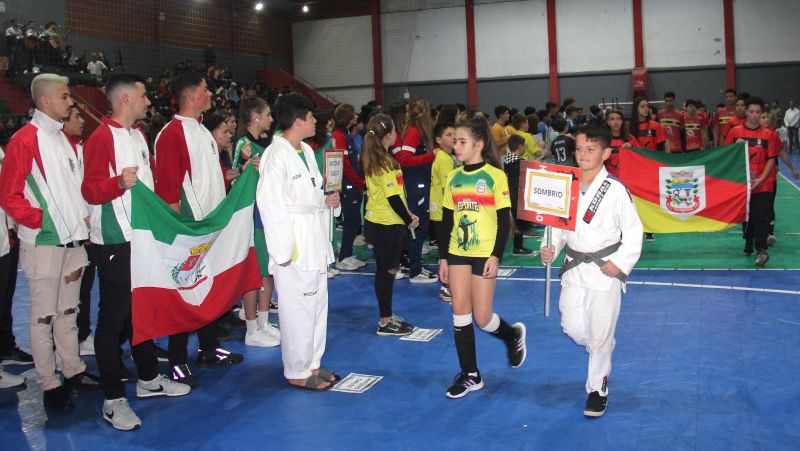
[396,327]
[424,277]
[119,414]
[161,386]
[762,259]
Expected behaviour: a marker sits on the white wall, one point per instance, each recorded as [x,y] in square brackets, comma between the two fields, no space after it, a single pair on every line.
[683,33]
[594,35]
[334,52]
[425,40]
[353,96]
[766,31]
[511,39]
[424,45]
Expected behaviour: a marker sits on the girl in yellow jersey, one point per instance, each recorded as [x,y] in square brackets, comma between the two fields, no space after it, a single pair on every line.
[477,220]
[387,220]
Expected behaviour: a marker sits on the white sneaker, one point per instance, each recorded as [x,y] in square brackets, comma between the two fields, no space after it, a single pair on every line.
[424,277]
[86,347]
[334,271]
[118,412]
[400,274]
[347,265]
[330,274]
[359,241]
[426,249]
[8,380]
[356,261]
[261,338]
[161,386]
[241,315]
[272,330]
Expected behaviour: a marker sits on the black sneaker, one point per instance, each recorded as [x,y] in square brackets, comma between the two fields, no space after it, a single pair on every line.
[444,294]
[57,399]
[82,380]
[517,349]
[181,373]
[405,262]
[762,259]
[273,306]
[465,383]
[161,354]
[522,251]
[218,357]
[433,243]
[595,405]
[649,237]
[424,276]
[396,327]
[748,250]
[16,357]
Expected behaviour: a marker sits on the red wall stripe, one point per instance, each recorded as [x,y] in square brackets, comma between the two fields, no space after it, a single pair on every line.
[552,50]
[377,57]
[472,81]
[638,41]
[730,46]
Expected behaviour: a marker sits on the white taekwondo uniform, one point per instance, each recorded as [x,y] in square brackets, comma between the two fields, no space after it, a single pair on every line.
[590,300]
[297,229]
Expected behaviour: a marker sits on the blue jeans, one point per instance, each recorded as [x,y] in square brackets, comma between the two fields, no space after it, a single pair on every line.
[419,209]
[351,210]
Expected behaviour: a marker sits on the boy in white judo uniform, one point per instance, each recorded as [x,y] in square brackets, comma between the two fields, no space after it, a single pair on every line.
[296,217]
[601,253]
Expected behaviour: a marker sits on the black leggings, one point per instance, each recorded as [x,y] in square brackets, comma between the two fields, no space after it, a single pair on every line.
[387,242]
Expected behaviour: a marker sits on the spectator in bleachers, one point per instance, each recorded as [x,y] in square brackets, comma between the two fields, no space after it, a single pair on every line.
[96,67]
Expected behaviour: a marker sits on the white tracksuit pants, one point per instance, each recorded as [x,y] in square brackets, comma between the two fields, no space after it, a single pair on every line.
[303,314]
[589,317]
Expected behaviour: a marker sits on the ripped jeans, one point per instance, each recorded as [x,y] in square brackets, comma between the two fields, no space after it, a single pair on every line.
[54,282]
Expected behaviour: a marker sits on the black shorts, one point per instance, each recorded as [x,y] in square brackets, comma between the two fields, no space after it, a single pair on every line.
[477,263]
[387,241]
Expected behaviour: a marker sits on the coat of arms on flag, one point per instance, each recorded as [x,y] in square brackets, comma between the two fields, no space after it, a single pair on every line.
[186,273]
[187,270]
[683,190]
[701,191]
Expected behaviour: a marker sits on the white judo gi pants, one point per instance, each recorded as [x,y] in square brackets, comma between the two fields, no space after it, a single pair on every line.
[589,317]
[303,314]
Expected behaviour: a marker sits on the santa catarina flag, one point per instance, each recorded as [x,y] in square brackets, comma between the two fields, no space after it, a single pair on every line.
[186,273]
[701,191]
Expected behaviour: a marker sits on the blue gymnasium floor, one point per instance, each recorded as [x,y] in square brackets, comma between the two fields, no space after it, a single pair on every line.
[705,359]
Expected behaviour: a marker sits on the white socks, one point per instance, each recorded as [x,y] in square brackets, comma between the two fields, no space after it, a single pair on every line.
[493,324]
[262,318]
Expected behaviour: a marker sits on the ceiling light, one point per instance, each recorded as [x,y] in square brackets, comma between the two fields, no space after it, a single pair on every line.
[259,6]
[305,8]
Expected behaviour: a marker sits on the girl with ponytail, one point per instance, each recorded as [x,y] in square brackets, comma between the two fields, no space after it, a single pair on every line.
[255,118]
[387,219]
[477,220]
[416,155]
